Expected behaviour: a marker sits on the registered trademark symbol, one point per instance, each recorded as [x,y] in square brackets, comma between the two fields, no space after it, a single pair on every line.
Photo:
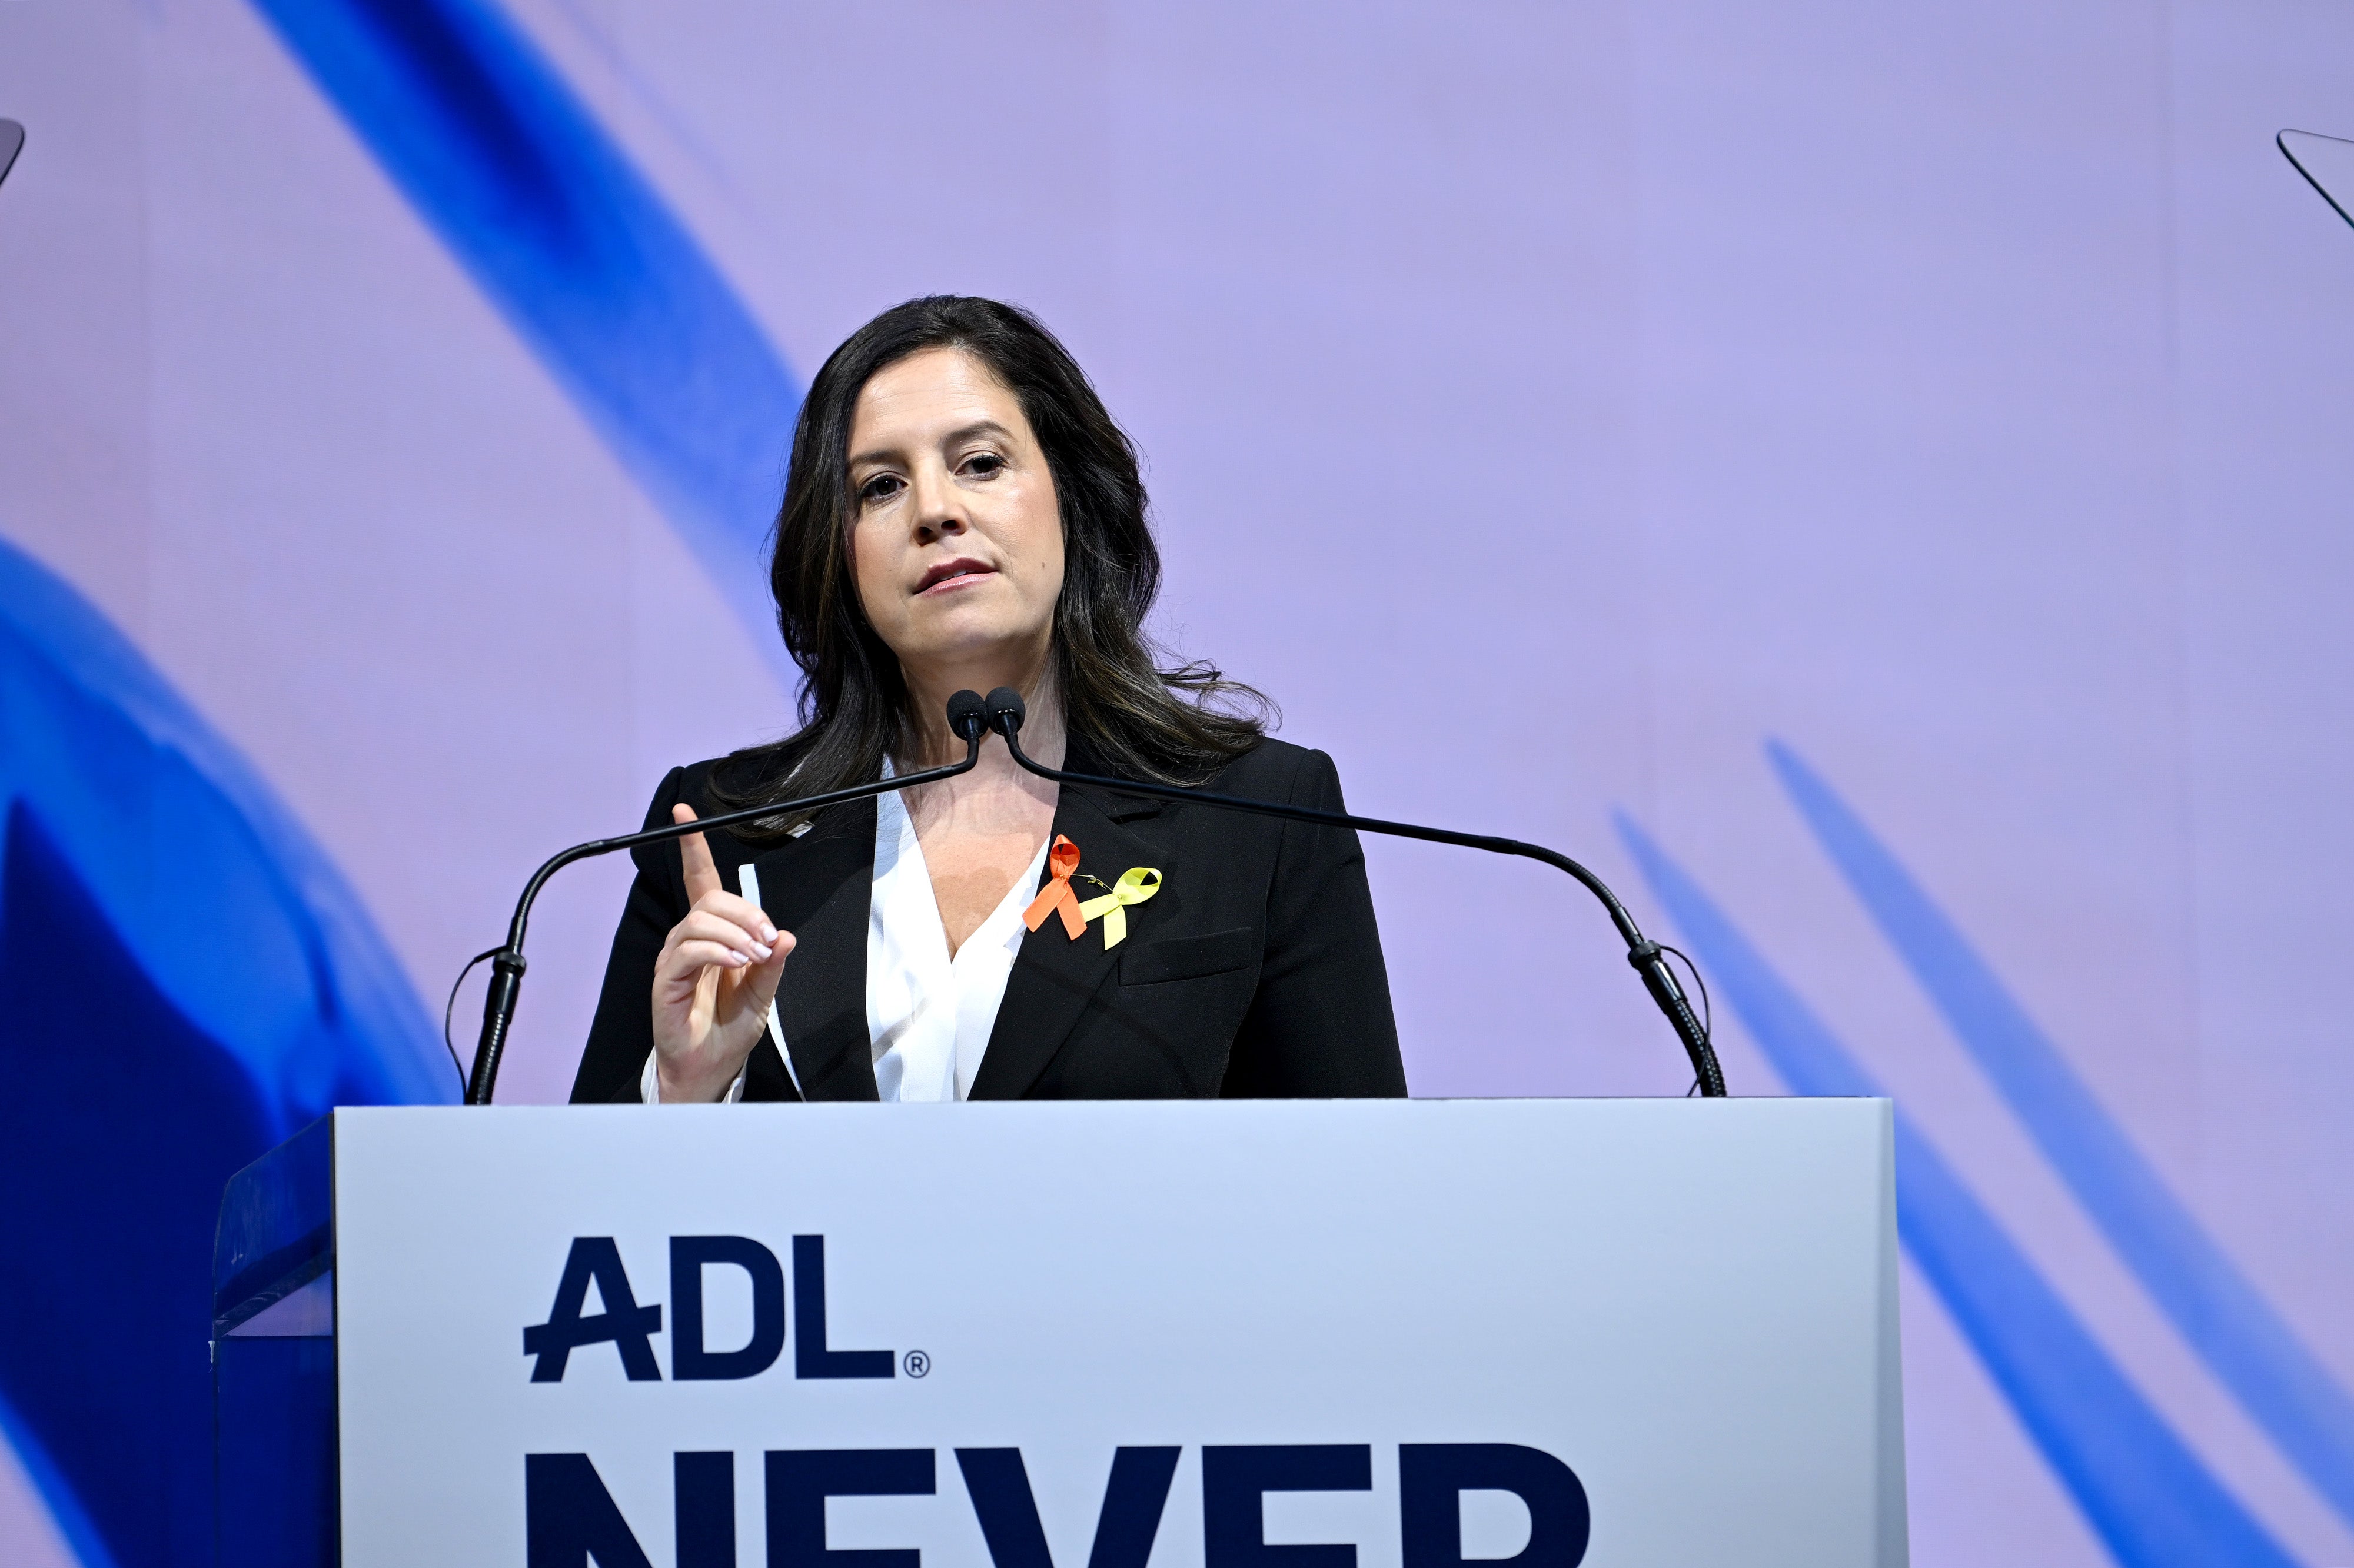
[916,1363]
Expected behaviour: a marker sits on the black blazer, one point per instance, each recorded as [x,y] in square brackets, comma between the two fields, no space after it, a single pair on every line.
[1254,971]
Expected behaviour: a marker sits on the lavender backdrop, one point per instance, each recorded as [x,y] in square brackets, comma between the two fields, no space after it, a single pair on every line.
[1870,480]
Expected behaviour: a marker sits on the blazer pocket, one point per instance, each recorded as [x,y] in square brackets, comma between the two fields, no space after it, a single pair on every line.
[1188,957]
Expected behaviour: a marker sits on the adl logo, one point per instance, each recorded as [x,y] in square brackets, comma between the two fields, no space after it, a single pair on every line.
[628,1327]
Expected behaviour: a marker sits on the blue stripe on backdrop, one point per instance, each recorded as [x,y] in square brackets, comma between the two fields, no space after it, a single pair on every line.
[82,1537]
[2145,1494]
[578,251]
[184,980]
[2233,1330]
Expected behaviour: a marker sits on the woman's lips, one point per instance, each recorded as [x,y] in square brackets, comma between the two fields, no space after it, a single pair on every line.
[954,576]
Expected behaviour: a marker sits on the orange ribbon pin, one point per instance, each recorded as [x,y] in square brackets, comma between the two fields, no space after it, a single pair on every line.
[1056,897]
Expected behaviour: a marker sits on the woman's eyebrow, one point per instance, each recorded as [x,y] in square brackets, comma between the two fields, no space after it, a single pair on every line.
[978,428]
[961,433]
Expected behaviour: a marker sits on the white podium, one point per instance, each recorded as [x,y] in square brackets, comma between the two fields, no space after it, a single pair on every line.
[1399,1334]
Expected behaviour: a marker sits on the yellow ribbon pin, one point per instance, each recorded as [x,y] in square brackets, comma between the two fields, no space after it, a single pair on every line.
[1131,888]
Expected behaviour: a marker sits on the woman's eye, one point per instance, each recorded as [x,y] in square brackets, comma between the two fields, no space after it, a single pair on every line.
[984,465]
[882,487]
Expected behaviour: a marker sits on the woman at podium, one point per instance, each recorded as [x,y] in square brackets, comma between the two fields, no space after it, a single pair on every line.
[961,513]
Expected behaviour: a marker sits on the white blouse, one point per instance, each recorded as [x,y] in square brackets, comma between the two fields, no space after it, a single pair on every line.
[928,1014]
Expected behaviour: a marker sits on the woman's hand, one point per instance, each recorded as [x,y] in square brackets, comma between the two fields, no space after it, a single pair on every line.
[713,983]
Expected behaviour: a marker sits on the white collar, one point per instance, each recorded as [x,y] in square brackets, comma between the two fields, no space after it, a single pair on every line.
[929,1015]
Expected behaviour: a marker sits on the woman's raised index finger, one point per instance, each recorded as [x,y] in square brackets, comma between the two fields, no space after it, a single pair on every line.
[702,875]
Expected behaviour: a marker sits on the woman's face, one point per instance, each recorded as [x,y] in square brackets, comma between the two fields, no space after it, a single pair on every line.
[955,538]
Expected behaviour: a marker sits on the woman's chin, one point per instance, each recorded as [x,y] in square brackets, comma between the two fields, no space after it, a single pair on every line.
[966,639]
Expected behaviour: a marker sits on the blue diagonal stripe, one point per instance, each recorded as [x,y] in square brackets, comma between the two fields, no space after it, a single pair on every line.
[2231,1327]
[579,254]
[2145,1494]
[184,979]
[82,1537]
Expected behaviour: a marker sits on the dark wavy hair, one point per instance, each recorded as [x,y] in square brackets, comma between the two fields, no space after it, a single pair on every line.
[1137,716]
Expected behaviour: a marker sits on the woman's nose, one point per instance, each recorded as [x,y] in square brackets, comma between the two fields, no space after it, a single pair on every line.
[940,525]
[939,510]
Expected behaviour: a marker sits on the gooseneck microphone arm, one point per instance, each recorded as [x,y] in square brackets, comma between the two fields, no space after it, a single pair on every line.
[1004,711]
[965,722]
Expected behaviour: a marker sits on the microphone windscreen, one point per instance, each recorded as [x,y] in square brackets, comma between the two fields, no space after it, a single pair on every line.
[966,714]
[1006,710]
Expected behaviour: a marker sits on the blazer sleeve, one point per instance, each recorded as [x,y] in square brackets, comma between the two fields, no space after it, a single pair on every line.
[622,1035]
[1320,1026]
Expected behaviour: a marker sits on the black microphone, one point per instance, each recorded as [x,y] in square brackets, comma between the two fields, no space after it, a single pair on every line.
[967,721]
[1005,711]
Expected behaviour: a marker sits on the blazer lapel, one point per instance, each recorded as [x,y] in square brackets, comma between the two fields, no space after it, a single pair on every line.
[1055,975]
[819,887]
